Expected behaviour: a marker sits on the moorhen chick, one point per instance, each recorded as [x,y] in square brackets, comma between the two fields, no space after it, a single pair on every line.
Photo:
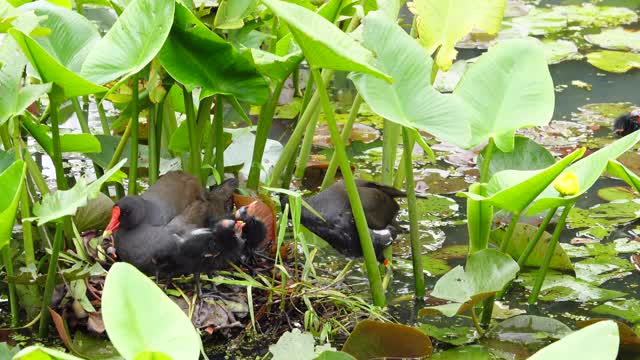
[254,231]
[627,123]
[339,227]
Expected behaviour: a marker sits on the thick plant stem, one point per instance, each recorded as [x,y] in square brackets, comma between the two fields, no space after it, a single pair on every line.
[61,181]
[292,145]
[262,133]
[133,161]
[542,273]
[307,144]
[487,307]
[194,149]
[416,253]
[371,263]
[154,161]
[330,175]
[84,126]
[121,145]
[218,126]
[51,281]
[104,122]
[13,295]
[534,241]
[25,212]
[484,172]
[390,139]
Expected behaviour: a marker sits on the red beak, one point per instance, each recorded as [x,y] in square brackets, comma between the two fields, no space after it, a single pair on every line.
[114,223]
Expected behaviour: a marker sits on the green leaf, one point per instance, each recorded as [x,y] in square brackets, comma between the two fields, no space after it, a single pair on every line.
[334,355]
[614,61]
[616,39]
[519,240]
[50,70]
[469,352]
[410,100]
[15,98]
[139,317]
[82,143]
[442,23]
[323,44]
[597,270]
[132,42]
[507,88]
[43,353]
[6,159]
[11,185]
[616,169]
[152,355]
[198,57]
[558,287]
[231,13]
[487,272]
[374,339]
[598,341]
[61,203]
[514,190]
[479,219]
[625,309]
[588,170]
[25,21]
[526,155]
[274,66]
[298,343]
[455,335]
[95,215]
[527,330]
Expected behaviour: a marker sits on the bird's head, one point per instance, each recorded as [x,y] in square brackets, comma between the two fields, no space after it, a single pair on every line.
[127,213]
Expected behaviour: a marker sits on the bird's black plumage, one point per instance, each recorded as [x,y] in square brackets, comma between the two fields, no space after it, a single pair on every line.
[627,123]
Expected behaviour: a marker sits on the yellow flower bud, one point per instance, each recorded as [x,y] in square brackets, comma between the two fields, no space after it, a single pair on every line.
[567,184]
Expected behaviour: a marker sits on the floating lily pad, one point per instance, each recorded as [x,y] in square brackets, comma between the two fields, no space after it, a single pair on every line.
[558,287]
[600,269]
[298,343]
[528,330]
[519,241]
[602,114]
[616,39]
[626,309]
[375,339]
[597,341]
[437,263]
[601,219]
[595,249]
[486,272]
[629,340]
[359,132]
[560,50]
[470,352]
[454,335]
[614,61]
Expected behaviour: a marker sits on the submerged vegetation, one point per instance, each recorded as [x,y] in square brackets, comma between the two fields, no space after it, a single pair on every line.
[101,99]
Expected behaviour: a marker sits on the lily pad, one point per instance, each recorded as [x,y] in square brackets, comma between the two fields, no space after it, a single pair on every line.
[454,335]
[437,263]
[558,287]
[528,330]
[375,339]
[629,340]
[616,39]
[614,61]
[601,219]
[298,343]
[602,114]
[597,341]
[519,241]
[597,249]
[628,309]
[470,352]
[486,272]
[43,353]
[600,269]
[560,50]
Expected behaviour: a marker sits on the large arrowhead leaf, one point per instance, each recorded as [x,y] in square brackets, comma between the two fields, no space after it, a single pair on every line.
[15,99]
[410,100]
[197,57]
[508,88]
[598,341]
[323,44]
[82,143]
[11,181]
[487,272]
[588,171]
[514,190]
[140,318]
[442,23]
[231,13]
[132,42]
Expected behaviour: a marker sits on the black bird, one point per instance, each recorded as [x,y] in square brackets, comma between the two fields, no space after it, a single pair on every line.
[339,228]
[627,123]
[254,232]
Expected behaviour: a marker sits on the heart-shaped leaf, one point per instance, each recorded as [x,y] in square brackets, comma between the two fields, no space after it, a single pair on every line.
[323,44]
[189,55]
[597,341]
[374,339]
[132,42]
[43,353]
[11,181]
[140,318]
[526,155]
[487,272]
[410,100]
[82,143]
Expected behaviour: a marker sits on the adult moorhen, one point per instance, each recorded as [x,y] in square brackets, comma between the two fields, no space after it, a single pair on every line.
[339,228]
[627,123]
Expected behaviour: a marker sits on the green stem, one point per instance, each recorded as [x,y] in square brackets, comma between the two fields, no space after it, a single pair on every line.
[218,125]
[262,132]
[400,173]
[27,230]
[194,156]
[484,172]
[133,161]
[542,273]
[35,172]
[154,161]
[84,126]
[292,145]
[476,323]
[330,175]
[371,263]
[13,296]
[61,181]
[104,122]
[51,281]
[307,144]
[117,154]
[390,139]
[534,241]
[416,253]
[306,98]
